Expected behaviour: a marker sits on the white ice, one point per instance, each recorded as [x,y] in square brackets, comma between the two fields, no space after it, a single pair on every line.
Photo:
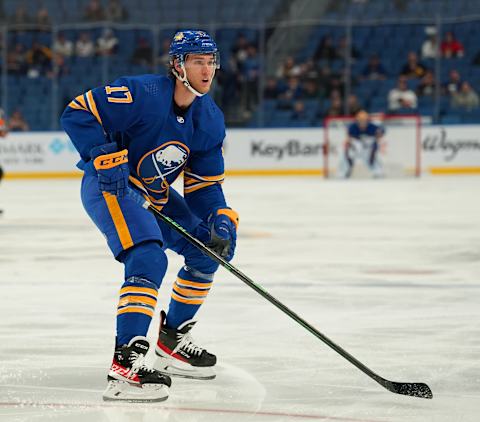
[388,269]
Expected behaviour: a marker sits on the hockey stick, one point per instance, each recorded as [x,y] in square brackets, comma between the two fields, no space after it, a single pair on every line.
[406,388]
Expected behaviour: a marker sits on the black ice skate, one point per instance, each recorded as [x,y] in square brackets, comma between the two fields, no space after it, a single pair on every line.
[130,379]
[178,355]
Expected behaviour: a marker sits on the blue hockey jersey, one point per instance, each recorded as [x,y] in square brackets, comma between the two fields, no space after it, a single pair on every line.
[371,131]
[138,114]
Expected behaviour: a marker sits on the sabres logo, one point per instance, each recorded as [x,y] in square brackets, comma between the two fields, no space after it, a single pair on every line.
[160,167]
[179,36]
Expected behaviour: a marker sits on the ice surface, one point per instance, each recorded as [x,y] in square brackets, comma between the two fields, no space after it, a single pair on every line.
[389,270]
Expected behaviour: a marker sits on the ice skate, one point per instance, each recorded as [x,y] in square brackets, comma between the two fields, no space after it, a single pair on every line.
[178,355]
[131,380]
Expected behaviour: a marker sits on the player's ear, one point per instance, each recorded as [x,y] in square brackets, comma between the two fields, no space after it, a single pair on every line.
[176,65]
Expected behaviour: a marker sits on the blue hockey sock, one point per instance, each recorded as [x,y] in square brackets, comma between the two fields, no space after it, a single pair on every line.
[189,291]
[145,267]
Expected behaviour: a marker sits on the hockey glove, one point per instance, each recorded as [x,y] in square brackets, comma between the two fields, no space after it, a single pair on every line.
[223,232]
[112,169]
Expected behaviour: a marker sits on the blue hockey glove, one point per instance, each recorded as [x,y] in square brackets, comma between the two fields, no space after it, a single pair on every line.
[223,232]
[112,169]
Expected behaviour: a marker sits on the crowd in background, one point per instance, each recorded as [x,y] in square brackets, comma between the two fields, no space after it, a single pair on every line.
[294,85]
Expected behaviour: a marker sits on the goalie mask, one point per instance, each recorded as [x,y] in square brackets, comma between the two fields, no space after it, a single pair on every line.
[191,42]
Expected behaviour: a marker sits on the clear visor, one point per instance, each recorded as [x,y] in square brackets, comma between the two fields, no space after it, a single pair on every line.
[214,61]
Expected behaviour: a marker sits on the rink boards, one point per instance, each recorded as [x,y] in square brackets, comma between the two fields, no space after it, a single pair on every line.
[445,150]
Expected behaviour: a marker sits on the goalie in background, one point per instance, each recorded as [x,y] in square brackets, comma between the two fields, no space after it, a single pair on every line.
[362,143]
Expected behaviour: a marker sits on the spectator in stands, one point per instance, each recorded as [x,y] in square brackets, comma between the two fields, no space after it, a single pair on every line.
[453,83]
[17,122]
[107,44]
[466,98]
[163,56]
[310,90]
[94,11]
[309,71]
[250,76]
[271,91]
[430,48]
[353,105]
[451,47]
[289,69]
[374,69]
[299,112]
[326,50]
[62,46]
[401,97]
[426,87]
[323,81]
[239,49]
[292,92]
[335,83]
[20,16]
[43,17]
[336,108]
[84,46]
[39,60]
[115,12]
[143,54]
[344,50]
[17,60]
[413,68]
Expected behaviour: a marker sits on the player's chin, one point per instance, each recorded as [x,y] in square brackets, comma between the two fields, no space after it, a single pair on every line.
[203,86]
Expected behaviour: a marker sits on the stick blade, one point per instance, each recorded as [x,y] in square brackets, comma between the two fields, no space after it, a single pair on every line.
[414,389]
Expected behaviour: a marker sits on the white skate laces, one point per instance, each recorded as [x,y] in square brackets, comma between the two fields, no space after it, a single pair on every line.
[138,363]
[187,343]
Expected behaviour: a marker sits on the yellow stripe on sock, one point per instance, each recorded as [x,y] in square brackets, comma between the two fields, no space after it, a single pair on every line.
[187,301]
[196,284]
[136,309]
[137,299]
[190,292]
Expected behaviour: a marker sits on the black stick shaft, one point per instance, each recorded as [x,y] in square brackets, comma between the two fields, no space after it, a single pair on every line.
[417,390]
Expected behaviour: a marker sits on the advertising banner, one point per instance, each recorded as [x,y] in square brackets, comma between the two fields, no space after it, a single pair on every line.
[445,150]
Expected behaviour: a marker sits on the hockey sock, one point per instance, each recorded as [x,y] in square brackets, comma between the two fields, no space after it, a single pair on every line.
[189,291]
[145,267]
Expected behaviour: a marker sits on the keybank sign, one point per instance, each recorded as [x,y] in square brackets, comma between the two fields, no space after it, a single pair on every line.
[291,148]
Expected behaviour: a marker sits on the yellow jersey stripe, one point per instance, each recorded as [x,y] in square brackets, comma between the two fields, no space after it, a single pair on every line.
[118,220]
[93,107]
[187,301]
[81,100]
[137,290]
[192,178]
[76,106]
[214,178]
[136,309]
[197,187]
[196,284]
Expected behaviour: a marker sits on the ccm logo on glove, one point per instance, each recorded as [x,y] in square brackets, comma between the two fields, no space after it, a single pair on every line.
[108,161]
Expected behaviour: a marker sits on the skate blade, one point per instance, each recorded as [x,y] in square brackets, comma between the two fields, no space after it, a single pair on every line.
[124,391]
[171,367]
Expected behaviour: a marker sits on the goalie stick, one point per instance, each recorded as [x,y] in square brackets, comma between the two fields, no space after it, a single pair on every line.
[415,389]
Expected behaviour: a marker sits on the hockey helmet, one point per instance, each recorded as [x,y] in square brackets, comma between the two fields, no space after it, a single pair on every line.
[192,42]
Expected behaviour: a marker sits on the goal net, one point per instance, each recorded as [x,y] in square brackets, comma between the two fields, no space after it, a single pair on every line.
[398,152]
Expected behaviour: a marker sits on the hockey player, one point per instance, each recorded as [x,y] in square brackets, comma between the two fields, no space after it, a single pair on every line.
[362,143]
[141,133]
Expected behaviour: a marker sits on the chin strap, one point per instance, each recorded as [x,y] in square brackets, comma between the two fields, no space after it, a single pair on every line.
[185,82]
